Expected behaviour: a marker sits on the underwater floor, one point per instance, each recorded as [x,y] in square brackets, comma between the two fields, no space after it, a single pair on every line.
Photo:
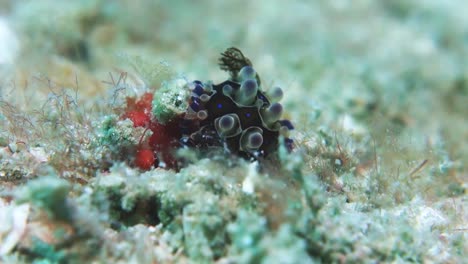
[330,132]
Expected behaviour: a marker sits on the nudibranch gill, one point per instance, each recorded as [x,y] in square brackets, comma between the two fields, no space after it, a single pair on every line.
[235,114]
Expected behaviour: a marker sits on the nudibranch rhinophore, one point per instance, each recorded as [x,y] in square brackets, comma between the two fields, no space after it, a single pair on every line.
[236,114]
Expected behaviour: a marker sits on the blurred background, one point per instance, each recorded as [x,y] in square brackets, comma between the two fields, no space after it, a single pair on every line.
[366,66]
[377,91]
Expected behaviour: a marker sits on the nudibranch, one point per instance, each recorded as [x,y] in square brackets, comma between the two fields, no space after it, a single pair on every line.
[235,114]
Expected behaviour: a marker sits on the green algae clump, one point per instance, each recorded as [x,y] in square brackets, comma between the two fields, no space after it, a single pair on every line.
[170,100]
[49,193]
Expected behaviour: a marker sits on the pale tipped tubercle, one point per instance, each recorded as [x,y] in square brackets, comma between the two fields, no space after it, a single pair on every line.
[255,140]
[204,98]
[275,94]
[247,73]
[272,113]
[251,139]
[247,92]
[227,90]
[202,115]
[228,125]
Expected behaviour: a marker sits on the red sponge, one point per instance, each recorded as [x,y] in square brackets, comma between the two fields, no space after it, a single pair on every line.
[139,111]
[144,159]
